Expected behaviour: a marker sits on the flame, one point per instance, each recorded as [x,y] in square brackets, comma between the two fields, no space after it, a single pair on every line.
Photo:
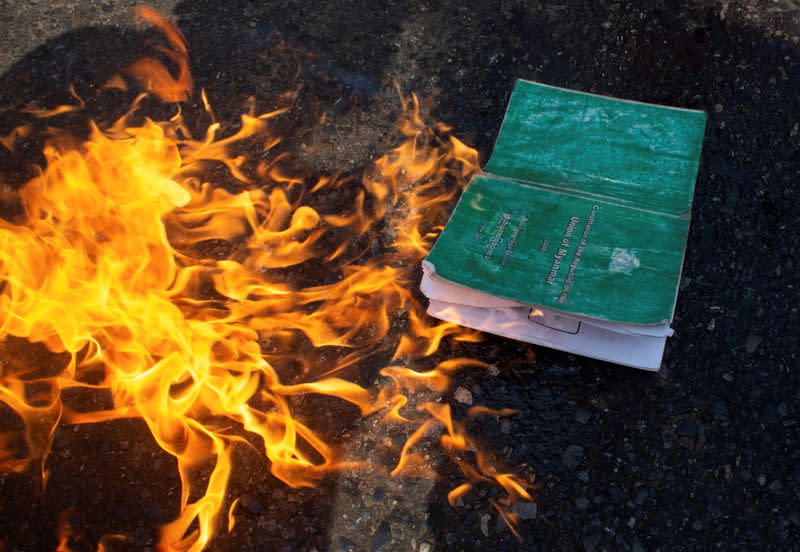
[64,532]
[151,73]
[110,266]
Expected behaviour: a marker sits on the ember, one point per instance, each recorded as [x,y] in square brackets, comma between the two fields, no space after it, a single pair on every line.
[184,299]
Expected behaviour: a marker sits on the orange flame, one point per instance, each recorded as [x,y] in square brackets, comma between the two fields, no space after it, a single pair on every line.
[110,265]
[152,74]
[64,532]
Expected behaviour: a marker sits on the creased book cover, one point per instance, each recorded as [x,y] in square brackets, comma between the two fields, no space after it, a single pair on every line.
[583,207]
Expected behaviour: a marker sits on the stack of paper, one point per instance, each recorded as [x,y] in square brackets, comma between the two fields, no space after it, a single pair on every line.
[574,235]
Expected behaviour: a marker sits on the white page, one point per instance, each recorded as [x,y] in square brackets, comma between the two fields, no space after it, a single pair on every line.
[638,351]
[435,287]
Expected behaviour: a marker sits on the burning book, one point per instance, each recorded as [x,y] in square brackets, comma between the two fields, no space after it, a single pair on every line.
[574,235]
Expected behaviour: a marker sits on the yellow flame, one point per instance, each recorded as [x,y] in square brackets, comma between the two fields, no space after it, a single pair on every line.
[152,74]
[110,265]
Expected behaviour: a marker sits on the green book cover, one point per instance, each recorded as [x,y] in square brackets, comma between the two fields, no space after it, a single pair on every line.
[583,207]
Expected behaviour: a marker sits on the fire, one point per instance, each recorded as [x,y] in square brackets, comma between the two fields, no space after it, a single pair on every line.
[116,263]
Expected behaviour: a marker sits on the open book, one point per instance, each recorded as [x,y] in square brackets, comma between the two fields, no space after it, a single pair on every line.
[574,235]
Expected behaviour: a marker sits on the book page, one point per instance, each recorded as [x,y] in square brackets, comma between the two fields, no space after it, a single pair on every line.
[443,290]
[643,352]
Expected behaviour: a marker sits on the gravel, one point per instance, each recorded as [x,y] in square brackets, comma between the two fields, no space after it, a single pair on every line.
[701,456]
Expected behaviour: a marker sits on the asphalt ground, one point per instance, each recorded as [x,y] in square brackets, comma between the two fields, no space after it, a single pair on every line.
[703,455]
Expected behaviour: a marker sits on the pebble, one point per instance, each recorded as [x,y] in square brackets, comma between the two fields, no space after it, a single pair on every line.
[252,505]
[746,475]
[582,502]
[769,416]
[485,519]
[687,428]
[381,537]
[582,416]
[343,544]
[751,342]
[590,541]
[572,456]
[526,510]
[463,395]
[719,408]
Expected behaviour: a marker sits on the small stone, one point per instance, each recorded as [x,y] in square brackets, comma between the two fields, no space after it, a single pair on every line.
[687,428]
[154,511]
[463,395]
[583,476]
[718,108]
[746,475]
[426,547]
[381,538]
[697,525]
[526,510]
[485,519]
[590,541]
[343,544]
[582,416]
[719,408]
[572,456]
[606,24]
[641,495]
[753,535]
[582,502]
[252,505]
[775,487]
[751,342]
